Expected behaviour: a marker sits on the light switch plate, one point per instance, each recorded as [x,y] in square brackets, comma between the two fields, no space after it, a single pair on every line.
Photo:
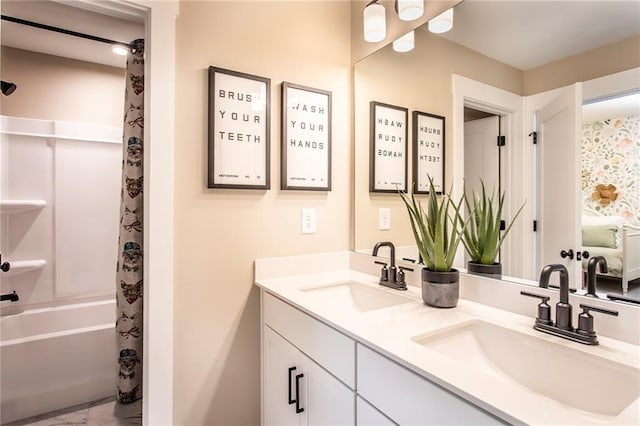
[384,219]
[309,221]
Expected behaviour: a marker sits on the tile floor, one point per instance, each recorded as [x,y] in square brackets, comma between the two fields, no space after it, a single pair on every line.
[105,412]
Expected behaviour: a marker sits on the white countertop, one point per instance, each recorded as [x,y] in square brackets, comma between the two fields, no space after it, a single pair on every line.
[390,331]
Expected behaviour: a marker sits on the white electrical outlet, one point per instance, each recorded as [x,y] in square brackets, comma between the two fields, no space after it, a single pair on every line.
[384,219]
[309,221]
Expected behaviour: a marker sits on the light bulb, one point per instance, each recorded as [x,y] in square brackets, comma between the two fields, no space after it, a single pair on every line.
[120,50]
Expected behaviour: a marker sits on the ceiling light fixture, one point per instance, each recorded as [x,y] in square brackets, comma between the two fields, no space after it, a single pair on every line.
[409,10]
[118,49]
[442,23]
[404,43]
[375,24]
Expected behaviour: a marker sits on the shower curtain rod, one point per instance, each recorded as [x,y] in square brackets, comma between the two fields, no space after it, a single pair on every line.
[62,30]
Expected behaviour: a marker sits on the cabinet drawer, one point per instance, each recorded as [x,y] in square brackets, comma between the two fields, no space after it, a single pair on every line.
[328,347]
[408,398]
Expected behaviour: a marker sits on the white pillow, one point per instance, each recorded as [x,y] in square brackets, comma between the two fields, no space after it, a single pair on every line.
[602,220]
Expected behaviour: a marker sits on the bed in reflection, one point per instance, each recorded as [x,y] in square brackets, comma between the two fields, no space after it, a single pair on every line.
[616,240]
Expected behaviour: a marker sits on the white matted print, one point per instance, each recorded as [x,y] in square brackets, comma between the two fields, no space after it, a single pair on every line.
[388,153]
[428,149]
[306,138]
[238,130]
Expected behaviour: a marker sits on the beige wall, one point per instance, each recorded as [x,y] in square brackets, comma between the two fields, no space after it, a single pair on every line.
[55,88]
[218,233]
[595,63]
[419,80]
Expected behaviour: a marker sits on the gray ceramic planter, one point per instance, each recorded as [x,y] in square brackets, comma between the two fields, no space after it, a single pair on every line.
[493,271]
[440,289]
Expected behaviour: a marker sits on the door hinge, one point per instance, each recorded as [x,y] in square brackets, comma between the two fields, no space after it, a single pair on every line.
[535,226]
[535,137]
[503,225]
[502,140]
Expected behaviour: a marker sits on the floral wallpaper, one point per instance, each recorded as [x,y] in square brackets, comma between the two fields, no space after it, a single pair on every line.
[611,156]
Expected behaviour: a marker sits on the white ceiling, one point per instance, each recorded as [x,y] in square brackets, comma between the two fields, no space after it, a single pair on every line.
[61,14]
[527,34]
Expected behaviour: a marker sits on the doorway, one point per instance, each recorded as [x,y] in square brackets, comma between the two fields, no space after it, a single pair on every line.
[159,114]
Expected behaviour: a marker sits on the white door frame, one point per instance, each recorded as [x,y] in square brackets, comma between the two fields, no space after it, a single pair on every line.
[509,106]
[159,131]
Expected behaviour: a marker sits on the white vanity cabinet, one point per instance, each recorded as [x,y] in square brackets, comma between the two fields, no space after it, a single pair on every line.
[309,365]
[308,369]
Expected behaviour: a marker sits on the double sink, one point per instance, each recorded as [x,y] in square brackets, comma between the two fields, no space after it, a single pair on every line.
[541,365]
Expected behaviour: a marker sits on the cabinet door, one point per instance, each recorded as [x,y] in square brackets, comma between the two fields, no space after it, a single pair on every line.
[366,415]
[279,381]
[327,401]
[289,375]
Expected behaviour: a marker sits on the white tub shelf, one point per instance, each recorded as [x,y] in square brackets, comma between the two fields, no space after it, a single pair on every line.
[21,266]
[18,206]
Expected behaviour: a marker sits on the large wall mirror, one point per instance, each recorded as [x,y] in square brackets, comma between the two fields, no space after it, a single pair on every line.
[598,39]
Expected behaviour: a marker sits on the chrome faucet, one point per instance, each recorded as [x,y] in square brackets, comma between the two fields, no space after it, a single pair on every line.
[562,328]
[591,273]
[563,307]
[390,277]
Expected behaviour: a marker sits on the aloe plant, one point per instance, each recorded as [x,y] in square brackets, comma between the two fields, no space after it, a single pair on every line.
[482,238]
[437,232]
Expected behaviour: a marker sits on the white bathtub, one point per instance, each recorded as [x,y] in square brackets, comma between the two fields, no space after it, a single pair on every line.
[53,358]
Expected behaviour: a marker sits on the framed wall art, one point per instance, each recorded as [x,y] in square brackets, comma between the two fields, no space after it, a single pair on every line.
[388,152]
[239,144]
[428,152]
[306,138]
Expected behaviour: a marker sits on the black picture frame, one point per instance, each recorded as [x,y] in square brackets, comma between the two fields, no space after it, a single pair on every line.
[239,130]
[388,135]
[428,152]
[306,138]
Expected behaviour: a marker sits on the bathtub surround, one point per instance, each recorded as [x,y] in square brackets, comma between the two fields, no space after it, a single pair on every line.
[129,278]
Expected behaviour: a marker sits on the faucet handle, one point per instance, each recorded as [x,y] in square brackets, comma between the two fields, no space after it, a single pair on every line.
[587,308]
[544,310]
[401,276]
[384,273]
[585,321]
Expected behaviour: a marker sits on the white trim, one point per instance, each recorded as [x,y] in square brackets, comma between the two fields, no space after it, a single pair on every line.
[159,188]
[18,126]
[509,106]
[611,86]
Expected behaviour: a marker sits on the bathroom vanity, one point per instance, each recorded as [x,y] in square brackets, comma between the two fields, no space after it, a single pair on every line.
[339,349]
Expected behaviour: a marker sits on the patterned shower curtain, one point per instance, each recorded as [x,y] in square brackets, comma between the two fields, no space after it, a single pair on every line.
[129,280]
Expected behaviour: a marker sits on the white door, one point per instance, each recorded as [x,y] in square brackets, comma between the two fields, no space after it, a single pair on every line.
[559,126]
[481,156]
[279,381]
[328,401]
[482,160]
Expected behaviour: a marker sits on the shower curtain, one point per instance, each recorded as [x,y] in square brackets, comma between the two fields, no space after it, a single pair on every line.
[129,280]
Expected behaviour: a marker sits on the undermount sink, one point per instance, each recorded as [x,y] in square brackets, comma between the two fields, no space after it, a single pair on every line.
[578,379]
[355,296]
